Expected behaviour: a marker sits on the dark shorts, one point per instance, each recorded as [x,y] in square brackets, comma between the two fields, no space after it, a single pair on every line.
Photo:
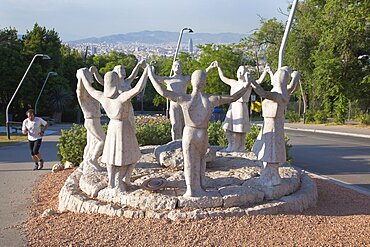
[35,146]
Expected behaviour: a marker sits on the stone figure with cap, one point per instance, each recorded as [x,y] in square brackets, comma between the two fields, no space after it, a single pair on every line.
[236,123]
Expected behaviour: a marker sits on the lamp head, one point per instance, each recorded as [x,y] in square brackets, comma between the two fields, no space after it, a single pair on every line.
[45,57]
[53,73]
[363,57]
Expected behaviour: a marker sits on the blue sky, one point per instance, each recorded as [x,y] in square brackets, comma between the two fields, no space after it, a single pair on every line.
[76,19]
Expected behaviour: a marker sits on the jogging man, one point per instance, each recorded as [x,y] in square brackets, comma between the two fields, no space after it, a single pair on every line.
[35,127]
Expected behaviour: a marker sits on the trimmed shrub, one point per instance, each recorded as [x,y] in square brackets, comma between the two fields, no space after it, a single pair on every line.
[216,135]
[364,119]
[153,133]
[320,117]
[71,144]
[292,116]
[309,116]
[251,137]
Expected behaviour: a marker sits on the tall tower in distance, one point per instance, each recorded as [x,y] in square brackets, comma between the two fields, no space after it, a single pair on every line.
[190,46]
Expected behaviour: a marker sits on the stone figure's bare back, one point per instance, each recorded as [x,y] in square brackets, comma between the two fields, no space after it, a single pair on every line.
[178,83]
[197,111]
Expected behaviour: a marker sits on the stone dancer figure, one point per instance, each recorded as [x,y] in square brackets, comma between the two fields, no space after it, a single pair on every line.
[177,83]
[121,149]
[237,124]
[124,83]
[95,133]
[197,108]
[123,86]
[270,143]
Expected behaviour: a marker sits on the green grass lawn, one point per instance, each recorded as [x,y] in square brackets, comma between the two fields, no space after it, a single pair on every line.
[14,138]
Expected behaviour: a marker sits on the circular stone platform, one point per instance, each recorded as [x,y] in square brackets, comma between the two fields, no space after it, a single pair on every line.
[232,181]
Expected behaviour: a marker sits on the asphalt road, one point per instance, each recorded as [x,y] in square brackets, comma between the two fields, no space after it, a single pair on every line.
[342,158]
[17,180]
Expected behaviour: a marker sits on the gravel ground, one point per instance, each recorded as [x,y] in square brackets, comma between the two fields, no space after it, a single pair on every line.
[341,218]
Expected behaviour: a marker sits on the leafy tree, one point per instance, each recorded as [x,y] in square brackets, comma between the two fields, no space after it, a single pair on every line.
[325,41]
[229,59]
[12,67]
[39,41]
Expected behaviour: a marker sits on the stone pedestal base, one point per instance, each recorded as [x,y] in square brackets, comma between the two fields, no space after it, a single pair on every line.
[233,182]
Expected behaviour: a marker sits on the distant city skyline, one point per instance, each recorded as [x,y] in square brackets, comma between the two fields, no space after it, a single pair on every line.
[75,20]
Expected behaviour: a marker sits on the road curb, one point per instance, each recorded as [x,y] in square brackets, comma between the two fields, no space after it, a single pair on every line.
[328,132]
[338,182]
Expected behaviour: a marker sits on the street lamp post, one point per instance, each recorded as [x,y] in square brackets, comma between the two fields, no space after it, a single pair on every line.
[42,89]
[174,59]
[45,57]
[282,49]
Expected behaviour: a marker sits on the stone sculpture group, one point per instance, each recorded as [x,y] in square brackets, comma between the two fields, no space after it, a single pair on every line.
[190,114]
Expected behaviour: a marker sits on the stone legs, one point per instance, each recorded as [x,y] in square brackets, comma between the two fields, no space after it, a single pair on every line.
[236,141]
[270,174]
[194,145]
[176,131]
[119,177]
[177,121]
[95,143]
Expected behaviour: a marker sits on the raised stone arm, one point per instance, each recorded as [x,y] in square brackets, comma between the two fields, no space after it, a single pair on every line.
[274,96]
[127,95]
[135,71]
[211,66]
[266,70]
[269,70]
[85,76]
[223,78]
[96,74]
[294,82]
[224,99]
[161,90]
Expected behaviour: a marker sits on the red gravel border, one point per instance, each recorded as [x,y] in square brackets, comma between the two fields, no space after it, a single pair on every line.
[341,217]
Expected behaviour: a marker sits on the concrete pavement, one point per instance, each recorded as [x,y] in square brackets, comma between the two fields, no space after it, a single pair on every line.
[17,182]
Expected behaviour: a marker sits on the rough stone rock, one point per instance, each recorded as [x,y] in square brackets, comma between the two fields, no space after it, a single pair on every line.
[170,155]
[173,159]
[228,197]
[290,183]
[92,182]
[212,201]
[48,212]
[222,181]
[302,199]
[176,144]
[147,200]
[57,167]
[155,215]
[177,215]
[197,214]
[68,165]
[238,196]
[273,207]
[235,211]
[245,154]
[216,214]
[139,199]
